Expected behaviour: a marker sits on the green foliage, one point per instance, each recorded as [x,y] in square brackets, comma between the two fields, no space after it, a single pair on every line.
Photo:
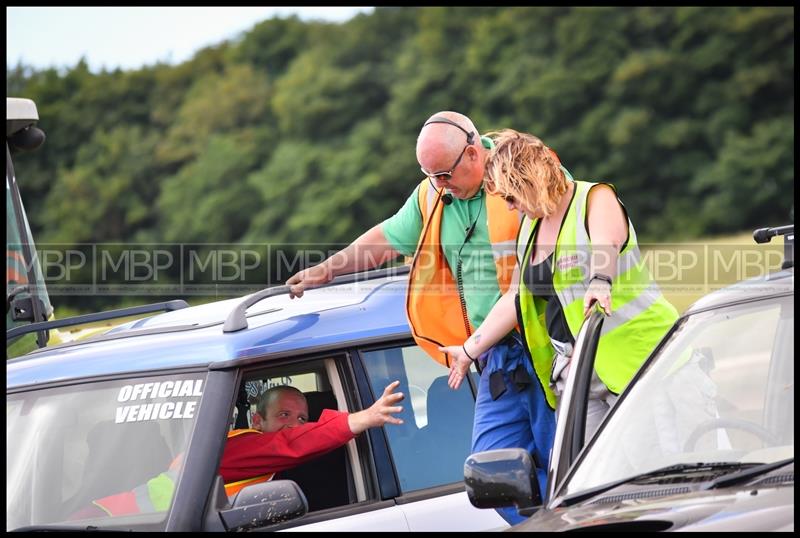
[208,199]
[318,100]
[304,132]
[761,170]
[108,196]
[228,101]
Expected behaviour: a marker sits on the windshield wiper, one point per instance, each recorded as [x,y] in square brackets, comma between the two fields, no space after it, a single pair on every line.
[746,474]
[680,468]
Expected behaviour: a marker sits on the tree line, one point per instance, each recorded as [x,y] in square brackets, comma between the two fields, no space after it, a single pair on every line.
[304,132]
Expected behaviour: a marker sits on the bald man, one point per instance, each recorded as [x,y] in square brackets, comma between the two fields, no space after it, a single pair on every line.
[463,243]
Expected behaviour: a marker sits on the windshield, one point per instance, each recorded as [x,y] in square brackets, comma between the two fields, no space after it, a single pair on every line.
[720,390]
[74,454]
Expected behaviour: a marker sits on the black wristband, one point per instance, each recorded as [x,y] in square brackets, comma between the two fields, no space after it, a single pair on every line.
[467,354]
[601,276]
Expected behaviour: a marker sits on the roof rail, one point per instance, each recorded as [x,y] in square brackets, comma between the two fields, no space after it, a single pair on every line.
[167,306]
[237,319]
[764,235]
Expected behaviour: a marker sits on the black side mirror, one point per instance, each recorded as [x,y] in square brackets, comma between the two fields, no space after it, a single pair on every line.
[26,139]
[12,296]
[21,308]
[263,504]
[504,477]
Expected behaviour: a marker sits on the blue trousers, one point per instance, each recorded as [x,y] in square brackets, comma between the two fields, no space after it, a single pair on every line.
[518,418]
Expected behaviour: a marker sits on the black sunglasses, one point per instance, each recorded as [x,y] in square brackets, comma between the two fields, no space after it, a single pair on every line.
[446,175]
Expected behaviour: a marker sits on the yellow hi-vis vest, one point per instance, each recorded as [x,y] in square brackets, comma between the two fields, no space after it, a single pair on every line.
[434,304]
[640,313]
[232,488]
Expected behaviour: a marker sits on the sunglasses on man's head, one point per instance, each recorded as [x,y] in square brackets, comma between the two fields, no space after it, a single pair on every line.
[448,174]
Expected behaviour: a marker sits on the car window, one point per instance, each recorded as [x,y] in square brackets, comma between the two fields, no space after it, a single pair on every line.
[720,390]
[327,481]
[72,446]
[430,447]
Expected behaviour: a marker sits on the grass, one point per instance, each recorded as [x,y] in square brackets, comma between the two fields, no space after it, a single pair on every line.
[687,270]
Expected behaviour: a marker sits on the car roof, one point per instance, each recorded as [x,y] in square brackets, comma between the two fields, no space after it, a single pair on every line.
[327,317]
[780,283]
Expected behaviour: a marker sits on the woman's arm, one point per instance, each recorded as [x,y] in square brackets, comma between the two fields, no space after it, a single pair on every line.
[608,230]
[502,318]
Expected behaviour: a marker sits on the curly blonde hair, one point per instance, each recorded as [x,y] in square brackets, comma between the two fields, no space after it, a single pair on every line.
[520,165]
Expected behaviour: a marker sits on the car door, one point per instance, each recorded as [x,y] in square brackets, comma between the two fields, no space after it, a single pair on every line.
[571,426]
[414,476]
[339,486]
[405,477]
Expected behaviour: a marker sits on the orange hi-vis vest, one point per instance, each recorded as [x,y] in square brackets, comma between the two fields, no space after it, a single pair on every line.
[436,310]
[232,488]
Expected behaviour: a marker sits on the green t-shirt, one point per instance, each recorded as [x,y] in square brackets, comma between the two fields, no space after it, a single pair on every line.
[479,274]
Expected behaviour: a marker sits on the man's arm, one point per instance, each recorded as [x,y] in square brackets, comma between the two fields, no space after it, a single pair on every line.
[255,454]
[370,250]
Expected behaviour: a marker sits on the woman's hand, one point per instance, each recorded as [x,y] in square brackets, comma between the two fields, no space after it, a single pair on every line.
[459,365]
[600,291]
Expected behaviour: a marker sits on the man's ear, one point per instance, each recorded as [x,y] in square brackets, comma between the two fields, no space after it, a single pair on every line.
[257,422]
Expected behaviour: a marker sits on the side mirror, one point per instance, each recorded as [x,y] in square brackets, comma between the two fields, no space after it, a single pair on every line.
[12,296]
[263,504]
[505,477]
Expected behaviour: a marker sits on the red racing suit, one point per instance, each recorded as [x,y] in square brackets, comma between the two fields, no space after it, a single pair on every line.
[255,453]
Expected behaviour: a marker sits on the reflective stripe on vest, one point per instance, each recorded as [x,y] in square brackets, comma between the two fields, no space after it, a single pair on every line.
[640,313]
[232,488]
[433,304]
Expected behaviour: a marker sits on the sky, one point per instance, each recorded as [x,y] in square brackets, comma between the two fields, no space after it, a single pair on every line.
[132,37]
